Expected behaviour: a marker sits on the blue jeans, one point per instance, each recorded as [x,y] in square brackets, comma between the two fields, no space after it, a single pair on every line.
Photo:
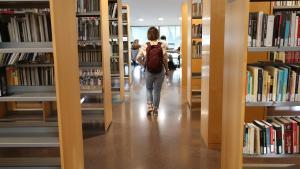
[154,84]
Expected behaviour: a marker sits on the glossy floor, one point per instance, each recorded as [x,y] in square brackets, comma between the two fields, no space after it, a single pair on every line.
[135,141]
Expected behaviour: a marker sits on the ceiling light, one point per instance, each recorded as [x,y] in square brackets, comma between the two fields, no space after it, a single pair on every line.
[141,19]
[160,19]
[180,18]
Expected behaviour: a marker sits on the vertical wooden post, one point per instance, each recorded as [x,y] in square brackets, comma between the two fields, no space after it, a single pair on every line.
[235,60]
[129,44]
[64,35]
[186,49]
[121,52]
[212,71]
[106,63]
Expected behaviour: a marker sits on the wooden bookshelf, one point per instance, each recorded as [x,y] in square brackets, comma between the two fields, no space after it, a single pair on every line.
[206,72]
[118,39]
[127,52]
[196,65]
[99,45]
[65,92]
[235,110]
[191,66]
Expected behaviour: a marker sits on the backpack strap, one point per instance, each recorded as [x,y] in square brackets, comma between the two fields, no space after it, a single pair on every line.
[147,52]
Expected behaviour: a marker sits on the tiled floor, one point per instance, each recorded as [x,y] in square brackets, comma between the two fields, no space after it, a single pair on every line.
[135,141]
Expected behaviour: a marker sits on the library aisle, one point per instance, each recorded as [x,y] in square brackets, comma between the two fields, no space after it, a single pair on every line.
[135,141]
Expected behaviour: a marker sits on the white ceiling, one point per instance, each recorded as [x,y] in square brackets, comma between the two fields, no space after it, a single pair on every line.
[151,10]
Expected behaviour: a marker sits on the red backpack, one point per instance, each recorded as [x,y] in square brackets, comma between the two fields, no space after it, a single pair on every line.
[154,59]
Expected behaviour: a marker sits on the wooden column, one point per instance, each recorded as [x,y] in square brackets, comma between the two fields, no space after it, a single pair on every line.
[186,49]
[212,71]
[64,33]
[106,63]
[129,43]
[121,52]
[235,60]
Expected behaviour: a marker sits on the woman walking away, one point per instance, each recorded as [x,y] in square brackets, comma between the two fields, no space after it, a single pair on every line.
[153,55]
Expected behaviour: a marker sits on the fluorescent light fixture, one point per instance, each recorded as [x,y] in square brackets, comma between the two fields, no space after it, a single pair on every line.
[141,19]
[180,18]
[161,19]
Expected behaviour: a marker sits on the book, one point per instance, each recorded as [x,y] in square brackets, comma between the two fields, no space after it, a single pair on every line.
[197,30]
[263,140]
[288,135]
[33,26]
[197,8]
[3,82]
[278,137]
[88,5]
[267,82]
[196,49]
[89,29]
[280,29]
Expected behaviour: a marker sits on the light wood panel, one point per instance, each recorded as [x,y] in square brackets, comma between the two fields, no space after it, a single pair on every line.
[196,65]
[64,35]
[212,72]
[121,52]
[189,53]
[106,63]
[184,11]
[235,60]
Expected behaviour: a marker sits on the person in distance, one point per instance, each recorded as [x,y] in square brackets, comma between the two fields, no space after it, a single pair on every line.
[153,56]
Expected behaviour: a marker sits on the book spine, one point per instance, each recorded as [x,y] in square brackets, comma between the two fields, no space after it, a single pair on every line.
[260,85]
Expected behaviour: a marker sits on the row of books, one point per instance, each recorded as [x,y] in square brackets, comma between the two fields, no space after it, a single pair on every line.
[91,72]
[113,28]
[285,57]
[113,10]
[30,27]
[286,3]
[125,45]
[31,76]
[197,30]
[125,31]
[196,49]
[126,58]
[3,82]
[90,56]
[271,82]
[88,5]
[114,47]
[25,58]
[279,135]
[124,16]
[114,65]
[89,82]
[197,8]
[280,29]
[89,28]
